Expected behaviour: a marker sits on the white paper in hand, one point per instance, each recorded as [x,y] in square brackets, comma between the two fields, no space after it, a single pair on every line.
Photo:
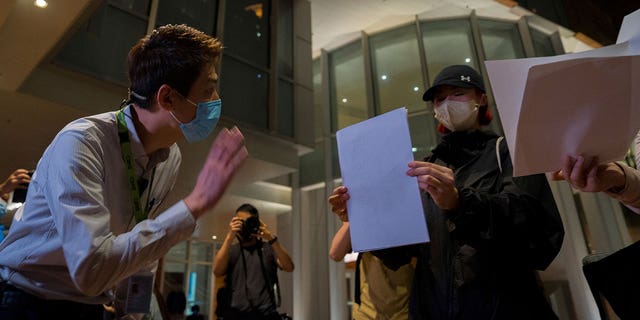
[385,208]
[570,104]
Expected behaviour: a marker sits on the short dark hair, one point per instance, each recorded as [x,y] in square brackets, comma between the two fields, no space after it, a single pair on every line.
[248,208]
[173,55]
[176,302]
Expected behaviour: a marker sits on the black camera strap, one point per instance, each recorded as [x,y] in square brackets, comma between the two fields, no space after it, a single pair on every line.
[244,267]
[270,286]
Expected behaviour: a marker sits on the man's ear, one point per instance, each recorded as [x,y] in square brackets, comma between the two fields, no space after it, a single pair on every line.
[164,97]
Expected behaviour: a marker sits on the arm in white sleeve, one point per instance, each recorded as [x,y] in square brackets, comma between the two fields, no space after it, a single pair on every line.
[97,259]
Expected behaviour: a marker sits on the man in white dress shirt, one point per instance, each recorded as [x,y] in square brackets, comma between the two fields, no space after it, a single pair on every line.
[90,223]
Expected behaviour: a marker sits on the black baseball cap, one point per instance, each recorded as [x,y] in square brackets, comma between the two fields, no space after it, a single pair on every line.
[457,75]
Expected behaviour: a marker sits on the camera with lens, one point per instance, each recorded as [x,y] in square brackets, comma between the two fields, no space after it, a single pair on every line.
[20,195]
[251,226]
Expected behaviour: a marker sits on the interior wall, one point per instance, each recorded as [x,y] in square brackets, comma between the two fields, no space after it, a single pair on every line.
[285,237]
[313,284]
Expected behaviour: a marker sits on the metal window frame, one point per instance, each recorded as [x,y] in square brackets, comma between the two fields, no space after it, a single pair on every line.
[377,108]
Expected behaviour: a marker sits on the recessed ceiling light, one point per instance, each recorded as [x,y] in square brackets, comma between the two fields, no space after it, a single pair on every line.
[40,3]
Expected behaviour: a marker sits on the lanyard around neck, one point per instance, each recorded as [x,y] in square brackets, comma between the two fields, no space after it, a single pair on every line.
[127,157]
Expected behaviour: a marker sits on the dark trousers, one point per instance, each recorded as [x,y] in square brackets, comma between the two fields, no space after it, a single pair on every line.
[16,304]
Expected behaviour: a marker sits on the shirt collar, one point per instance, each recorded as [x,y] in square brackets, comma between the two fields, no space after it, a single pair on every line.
[137,149]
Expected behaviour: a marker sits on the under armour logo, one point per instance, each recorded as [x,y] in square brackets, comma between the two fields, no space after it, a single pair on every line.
[467,78]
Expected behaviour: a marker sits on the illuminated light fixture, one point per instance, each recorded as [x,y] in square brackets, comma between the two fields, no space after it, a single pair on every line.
[258,34]
[344,100]
[256,8]
[467,60]
[384,77]
[40,3]
[414,149]
[416,89]
[214,237]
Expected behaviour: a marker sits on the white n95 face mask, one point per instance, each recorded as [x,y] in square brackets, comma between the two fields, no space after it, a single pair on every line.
[457,115]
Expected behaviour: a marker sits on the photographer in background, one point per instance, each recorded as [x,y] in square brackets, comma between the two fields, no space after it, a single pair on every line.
[17,180]
[250,268]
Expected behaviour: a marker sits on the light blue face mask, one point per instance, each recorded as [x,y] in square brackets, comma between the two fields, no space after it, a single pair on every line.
[207,116]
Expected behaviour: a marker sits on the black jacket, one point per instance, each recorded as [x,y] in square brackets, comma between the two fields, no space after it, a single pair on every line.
[481,261]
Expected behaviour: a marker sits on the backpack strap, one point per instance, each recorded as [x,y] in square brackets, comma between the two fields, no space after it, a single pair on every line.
[498,152]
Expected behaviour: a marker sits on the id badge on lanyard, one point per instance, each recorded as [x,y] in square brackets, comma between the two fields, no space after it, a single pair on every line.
[136,295]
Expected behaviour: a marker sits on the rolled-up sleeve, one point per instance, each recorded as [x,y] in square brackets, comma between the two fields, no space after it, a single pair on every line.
[630,194]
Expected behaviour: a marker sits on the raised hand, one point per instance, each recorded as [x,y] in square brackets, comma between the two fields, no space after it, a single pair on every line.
[15,181]
[225,157]
[438,181]
[338,201]
[585,174]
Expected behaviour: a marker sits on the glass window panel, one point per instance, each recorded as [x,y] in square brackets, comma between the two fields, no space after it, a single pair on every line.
[140,7]
[446,43]
[100,47]
[201,251]
[245,92]
[541,43]
[335,163]
[422,128]
[317,97]
[500,40]
[199,288]
[285,108]
[285,38]
[174,279]
[177,252]
[246,30]
[398,82]
[312,166]
[349,98]
[199,14]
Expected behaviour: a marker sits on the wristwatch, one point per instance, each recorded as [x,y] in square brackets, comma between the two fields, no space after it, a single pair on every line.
[274,239]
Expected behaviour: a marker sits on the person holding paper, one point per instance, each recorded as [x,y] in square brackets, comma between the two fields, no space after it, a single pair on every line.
[489,231]
[381,291]
[615,179]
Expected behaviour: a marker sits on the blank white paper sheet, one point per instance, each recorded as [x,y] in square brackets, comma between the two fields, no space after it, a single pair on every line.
[385,208]
[582,103]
